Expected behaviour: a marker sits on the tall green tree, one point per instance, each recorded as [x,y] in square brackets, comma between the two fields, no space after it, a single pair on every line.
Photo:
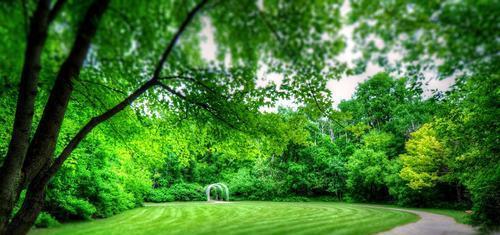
[470,131]
[107,36]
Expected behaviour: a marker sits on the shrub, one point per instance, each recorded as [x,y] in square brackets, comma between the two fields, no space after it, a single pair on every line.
[71,208]
[177,192]
[160,195]
[247,185]
[46,220]
[187,192]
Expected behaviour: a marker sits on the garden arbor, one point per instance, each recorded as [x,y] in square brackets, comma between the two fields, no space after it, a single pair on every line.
[220,187]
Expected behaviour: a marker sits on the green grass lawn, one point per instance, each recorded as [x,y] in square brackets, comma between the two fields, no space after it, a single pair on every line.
[242,218]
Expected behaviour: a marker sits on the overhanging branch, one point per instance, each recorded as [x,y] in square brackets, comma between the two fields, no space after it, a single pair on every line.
[87,128]
[55,9]
[176,37]
[202,105]
[92,124]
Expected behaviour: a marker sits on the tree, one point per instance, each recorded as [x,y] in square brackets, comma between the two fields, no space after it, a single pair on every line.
[469,128]
[425,160]
[367,170]
[42,145]
[422,176]
[395,106]
[221,92]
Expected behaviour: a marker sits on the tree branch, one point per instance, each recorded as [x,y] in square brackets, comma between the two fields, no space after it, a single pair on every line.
[55,9]
[176,37]
[68,149]
[200,83]
[204,106]
[102,85]
[99,104]
[92,124]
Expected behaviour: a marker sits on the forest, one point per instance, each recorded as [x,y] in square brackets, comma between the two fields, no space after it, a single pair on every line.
[106,105]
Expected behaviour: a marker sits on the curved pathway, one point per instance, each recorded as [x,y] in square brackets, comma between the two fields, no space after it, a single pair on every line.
[430,224]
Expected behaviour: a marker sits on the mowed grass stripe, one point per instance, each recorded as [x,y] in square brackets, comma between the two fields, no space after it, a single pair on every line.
[266,216]
[239,218]
[123,222]
[104,224]
[300,221]
[322,221]
[353,226]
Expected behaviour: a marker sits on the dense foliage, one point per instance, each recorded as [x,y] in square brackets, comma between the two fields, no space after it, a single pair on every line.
[376,153]
[203,123]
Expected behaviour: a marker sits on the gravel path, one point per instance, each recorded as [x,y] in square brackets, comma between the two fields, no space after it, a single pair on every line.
[431,224]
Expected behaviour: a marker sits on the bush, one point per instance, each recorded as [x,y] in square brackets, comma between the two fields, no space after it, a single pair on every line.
[177,192]
[45,220]
[112,199]
[187,192]
[69,207]
[160,195]
[247,185]
[95,183]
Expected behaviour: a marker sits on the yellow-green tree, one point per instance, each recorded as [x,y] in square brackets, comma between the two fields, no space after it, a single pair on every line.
[424,162]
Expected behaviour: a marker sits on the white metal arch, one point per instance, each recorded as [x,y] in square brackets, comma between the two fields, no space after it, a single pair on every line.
[222,187]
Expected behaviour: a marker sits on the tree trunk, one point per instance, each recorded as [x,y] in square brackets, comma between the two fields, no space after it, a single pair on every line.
[332,134]
[25,218]
[10,172]
[33,203]
[44,141]
[38,166]
[42,147]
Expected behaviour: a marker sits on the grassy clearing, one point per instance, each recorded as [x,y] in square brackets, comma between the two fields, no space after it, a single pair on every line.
[242,218]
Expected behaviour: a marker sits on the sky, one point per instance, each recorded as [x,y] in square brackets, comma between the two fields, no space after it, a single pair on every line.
[343,88]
